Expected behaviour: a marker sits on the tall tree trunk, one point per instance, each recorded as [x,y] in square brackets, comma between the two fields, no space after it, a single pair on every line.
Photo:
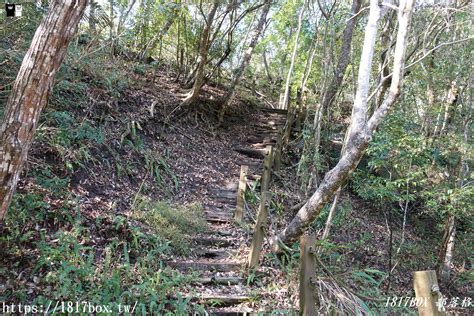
[312,142]
[158,36]
[430,96]
[452,96]
[92,17]
[331,91]
[360,130]
[123,17]
[31,91]
[203,49]
[447,249]
[330,94]
[309,62]
[386,38]
[111,29]
[344,57]
[442,119]
[267,69]
[301,96]
[283,59]
[229,96]
[286,93]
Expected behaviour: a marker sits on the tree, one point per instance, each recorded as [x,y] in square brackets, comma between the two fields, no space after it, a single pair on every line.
[286,93]
[360,130]
[159,35]
[203,49]
[92,16]
[31,90]
[229,96]
[331,91]
[344,57]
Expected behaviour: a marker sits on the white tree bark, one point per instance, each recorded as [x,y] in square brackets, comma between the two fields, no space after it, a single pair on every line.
[360,130]
[286,94]
[448,249]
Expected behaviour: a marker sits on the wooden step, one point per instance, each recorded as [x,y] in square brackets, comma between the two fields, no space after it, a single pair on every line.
[224,193]
[266,129]
[222,280]
[221,220]
[275,111]
[267,132]
[250,163]
[274,121]
[260,145]
[260,139]
[217,312]
[226,205]
[251,152]
[219,212]
[205,266]
[217,254]
[215,242]
[233,186]
[223,299]
[216,215]
[222,232]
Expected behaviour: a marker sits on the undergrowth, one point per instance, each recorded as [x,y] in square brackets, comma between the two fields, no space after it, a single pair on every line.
[104,260]
[51,248]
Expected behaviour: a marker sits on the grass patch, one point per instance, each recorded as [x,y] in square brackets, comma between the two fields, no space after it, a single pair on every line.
[174,223]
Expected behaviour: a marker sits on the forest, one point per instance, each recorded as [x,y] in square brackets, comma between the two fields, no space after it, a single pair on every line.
[258,157]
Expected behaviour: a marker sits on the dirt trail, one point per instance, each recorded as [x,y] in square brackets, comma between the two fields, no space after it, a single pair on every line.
[221,253]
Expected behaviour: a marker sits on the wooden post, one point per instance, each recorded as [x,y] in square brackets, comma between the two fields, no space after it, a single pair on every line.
[239,210]
[259,231]
[427,292]
[278,150]
[267,169]
[308,294]
[288,126]
[262,216]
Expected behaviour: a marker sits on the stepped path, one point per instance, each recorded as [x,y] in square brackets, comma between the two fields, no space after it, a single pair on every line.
[221,253]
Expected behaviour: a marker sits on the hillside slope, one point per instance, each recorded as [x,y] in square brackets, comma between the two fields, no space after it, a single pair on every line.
[120,178]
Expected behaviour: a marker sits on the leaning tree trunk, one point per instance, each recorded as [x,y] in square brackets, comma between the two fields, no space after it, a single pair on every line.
[229,96]
[204,47]
[332,210]
[360,130]
[31,91]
